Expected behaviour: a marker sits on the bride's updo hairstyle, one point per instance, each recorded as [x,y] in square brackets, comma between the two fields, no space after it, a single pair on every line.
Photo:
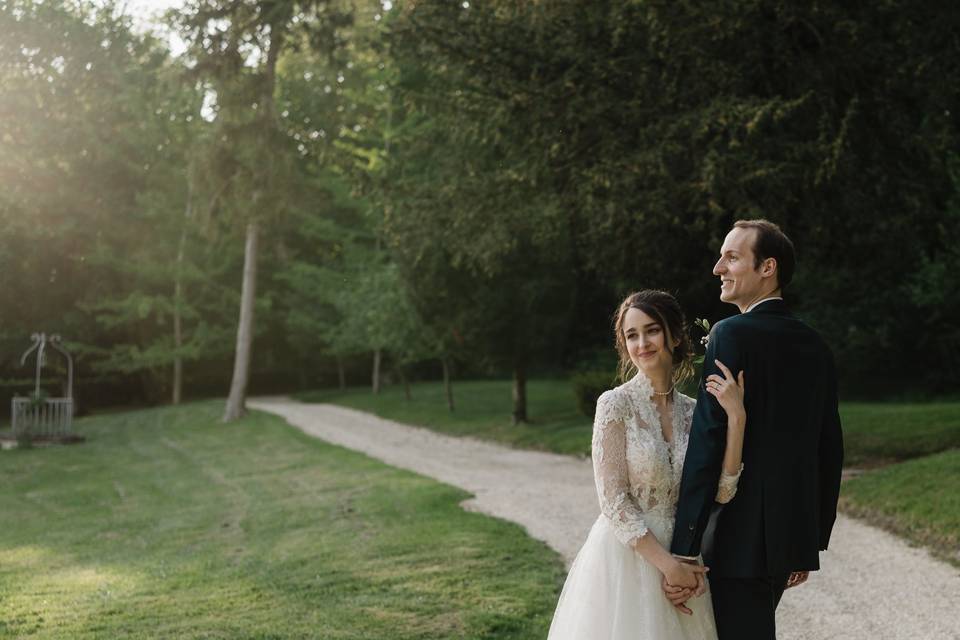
[664,308]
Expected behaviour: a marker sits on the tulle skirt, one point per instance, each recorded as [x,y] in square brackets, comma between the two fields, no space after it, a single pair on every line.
[612,593]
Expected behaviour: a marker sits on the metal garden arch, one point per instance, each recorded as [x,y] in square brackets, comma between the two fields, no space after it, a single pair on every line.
[37,415]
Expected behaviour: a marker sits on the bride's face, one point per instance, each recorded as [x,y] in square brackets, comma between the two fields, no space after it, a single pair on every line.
[646,342]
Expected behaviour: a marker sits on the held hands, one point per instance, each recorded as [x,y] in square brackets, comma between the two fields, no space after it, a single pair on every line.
[728,391]
[677,596]
[684,580]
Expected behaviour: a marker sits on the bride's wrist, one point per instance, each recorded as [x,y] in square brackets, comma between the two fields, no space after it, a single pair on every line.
[670,568]
[737,420]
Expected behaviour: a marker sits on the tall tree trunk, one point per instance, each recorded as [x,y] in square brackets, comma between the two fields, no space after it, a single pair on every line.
[236,403]
[178,295]
[376,371]
[341,374]
[519,392]
[447,387]
[177,328]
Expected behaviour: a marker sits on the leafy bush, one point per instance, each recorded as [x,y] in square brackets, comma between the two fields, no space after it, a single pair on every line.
[588,386]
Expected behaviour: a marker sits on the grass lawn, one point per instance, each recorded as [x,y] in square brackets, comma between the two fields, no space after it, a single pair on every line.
[874,433]
[483,409]
[168,524]
[919,499]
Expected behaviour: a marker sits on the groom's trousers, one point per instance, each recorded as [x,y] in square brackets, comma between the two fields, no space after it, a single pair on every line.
[745,607]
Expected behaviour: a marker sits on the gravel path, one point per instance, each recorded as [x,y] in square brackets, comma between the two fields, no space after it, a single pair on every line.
[873,585]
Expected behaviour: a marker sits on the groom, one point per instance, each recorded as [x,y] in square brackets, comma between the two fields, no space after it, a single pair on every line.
[768,537]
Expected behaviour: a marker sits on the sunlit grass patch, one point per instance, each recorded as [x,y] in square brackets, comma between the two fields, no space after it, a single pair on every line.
[169,524]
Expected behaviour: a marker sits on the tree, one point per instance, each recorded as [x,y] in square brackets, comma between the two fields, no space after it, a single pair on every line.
[169,303]
[651,127]
[312,276]
[484,212]
[498,173]
[237,46]
[76,132]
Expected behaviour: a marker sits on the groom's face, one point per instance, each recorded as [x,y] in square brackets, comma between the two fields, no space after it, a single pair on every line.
[740,281]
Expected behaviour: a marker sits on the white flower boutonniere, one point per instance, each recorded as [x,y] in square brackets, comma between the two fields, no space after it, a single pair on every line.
[703,324]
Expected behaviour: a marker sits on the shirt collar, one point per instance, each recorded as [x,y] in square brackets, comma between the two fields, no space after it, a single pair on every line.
[759,302]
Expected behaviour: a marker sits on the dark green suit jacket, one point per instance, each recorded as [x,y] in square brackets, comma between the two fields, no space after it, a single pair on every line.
[786,502]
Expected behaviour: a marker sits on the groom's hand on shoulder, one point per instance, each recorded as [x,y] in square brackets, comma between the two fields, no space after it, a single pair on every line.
[797,578]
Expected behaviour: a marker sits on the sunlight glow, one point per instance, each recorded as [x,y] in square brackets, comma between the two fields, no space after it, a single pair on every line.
[147,16]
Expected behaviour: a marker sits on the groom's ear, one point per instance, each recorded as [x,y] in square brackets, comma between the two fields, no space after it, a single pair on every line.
[768,267]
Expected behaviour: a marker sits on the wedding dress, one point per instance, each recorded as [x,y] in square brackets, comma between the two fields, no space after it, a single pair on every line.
[611,592]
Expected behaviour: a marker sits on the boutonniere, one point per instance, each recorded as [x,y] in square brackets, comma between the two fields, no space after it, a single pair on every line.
[703,324]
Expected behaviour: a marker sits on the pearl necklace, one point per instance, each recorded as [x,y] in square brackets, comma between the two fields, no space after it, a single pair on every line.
[664,393]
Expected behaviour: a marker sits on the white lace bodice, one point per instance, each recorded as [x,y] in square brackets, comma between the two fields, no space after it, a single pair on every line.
[637,471]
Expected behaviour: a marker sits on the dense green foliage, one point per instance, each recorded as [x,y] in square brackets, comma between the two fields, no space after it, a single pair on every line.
[587,387]
[639,131]
[168,524]
[467,187]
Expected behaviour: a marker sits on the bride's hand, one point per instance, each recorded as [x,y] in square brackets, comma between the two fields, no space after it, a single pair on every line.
[677,596]
[684,574]
[728,391]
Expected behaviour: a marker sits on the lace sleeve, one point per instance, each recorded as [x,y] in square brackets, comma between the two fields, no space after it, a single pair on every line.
[610,471]
[728,486]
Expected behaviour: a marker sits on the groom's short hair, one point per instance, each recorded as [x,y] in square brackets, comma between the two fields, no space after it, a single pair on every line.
[771,242]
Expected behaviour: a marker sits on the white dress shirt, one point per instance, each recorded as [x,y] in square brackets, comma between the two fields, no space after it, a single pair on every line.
[750,308]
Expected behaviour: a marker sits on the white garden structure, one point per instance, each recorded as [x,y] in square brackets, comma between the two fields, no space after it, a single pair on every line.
[39,416]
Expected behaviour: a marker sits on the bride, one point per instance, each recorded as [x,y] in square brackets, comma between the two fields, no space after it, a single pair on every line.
[640,435]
